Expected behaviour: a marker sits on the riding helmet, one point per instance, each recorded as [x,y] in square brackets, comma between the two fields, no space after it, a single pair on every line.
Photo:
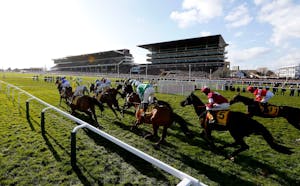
[205,90]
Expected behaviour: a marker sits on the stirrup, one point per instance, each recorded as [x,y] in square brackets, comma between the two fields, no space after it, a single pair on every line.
[211,121]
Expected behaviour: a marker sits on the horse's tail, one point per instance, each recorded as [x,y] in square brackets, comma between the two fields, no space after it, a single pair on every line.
[291,115]
[183,124]
[270,140]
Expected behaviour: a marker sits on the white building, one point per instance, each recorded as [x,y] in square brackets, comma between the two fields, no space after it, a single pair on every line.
[289,72]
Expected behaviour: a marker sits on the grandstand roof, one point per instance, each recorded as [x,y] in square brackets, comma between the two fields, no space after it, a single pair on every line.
[93,56]
[183,42]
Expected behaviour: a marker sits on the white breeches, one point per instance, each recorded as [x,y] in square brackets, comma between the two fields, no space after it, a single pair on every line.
[80,90]
[148,95]
[222,106]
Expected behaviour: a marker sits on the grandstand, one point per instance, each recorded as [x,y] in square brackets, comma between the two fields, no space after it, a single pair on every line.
[203,55]
[114,61]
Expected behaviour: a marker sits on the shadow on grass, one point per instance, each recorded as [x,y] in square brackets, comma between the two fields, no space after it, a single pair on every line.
[141,165]
[30,123]
[266,170]
[51,148]
[81,176]
[213,173]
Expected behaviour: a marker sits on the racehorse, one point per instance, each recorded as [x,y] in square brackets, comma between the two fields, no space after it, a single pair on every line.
[86,104]
[238,124]
[291,114]
[131,98]
[158,114]
[108,97]
[67,94]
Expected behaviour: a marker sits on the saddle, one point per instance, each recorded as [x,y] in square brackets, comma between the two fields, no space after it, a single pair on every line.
[220,116]
[75,99]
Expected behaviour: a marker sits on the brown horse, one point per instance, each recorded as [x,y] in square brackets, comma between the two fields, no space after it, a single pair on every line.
[108,96]
[237,123]
[67,94]
[86,104]
[291,114]
[131,100]
[160,114]
[110,99]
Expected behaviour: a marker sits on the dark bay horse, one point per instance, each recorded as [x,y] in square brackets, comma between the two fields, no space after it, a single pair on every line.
[291,114]
[108,96]
[160,114]
[110,99]
[67,94]
[238,124]
[86,104]
[132,99]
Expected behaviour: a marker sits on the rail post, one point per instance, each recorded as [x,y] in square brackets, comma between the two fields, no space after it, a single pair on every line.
[27,107]
[43,119]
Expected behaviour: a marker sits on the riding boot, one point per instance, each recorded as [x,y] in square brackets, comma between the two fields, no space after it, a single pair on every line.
[142,106]
[265,105]
[145,107]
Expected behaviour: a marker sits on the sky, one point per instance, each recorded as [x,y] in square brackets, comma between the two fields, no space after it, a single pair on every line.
[260,33]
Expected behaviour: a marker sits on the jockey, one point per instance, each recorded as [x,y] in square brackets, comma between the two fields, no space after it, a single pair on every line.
[78,81]
[215,102]
[146,94]
[64,84]
[261,95]
[80,91]
[102,85]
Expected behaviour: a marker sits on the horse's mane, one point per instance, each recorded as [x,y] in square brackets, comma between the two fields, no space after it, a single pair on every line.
[160,102]
[196,99]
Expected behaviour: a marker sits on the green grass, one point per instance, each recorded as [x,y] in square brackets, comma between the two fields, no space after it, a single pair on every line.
[30,158]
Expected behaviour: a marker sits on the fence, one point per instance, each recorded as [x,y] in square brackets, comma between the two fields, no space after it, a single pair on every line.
[185,179]
[186,87]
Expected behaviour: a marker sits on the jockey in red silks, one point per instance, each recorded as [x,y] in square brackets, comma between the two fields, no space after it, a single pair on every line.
[261,95]
[215,102]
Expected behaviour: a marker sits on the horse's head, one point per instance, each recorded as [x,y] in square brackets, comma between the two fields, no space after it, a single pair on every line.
[239,98]
[119,87]
[235,99]
[92,87]
[188,100]
[127,89]
[192,99]
[133,98]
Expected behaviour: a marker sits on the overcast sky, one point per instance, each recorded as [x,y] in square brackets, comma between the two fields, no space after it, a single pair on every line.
[260,33]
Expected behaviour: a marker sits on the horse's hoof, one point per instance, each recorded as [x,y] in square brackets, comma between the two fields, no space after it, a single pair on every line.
[231,158]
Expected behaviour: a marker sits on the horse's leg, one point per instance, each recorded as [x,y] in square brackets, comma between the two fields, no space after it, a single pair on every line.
[111,107]
[163,136]
[154,134]
[206,135]
[243,147]
[94,114]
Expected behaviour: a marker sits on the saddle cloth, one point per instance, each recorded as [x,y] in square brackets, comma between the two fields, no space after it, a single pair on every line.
[75,99]
[272,109]
[221,116]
